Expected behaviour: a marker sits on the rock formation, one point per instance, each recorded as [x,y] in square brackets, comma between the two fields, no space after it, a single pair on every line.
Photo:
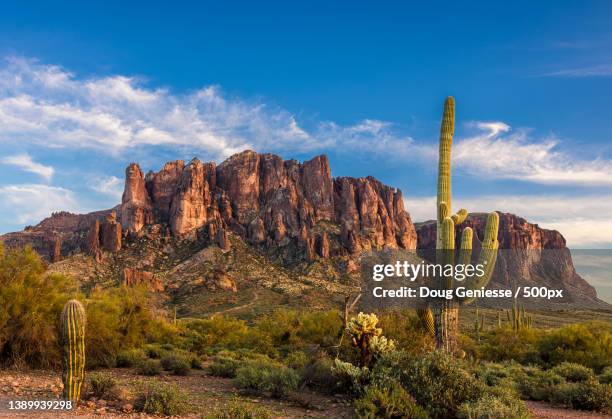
[133,277]
[266,200]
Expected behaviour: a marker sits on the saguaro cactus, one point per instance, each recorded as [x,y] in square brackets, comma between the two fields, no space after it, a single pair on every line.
[73,321]
[446,314]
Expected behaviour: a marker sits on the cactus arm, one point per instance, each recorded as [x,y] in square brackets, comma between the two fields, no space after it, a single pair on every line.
[444,163]
[426,317]
[460,216]
[465,252]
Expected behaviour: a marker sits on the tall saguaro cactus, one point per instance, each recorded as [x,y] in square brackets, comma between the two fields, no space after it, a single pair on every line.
[73,321]
[446,314]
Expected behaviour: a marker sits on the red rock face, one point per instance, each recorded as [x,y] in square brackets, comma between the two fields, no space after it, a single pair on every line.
[136,204]
[268,200]
[111,233]
[162,187]
[133,277]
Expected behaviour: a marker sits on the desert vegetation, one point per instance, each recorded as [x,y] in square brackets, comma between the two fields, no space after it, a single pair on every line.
[387,364]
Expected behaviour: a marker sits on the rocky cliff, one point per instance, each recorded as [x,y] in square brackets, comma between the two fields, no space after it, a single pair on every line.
[265,200]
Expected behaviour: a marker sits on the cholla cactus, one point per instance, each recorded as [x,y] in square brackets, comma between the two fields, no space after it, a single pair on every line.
[363,331]
[73,347]
[380,345]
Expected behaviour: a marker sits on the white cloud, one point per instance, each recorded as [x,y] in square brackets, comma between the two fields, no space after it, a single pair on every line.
[108,185]
[516,156]
[47,106]
[30,203]
[25,162]
[583,220]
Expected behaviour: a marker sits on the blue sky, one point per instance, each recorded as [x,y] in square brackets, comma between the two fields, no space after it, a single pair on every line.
[84,90]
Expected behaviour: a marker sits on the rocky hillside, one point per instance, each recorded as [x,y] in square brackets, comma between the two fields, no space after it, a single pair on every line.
[285,219]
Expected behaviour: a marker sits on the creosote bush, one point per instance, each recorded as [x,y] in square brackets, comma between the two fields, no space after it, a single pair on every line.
[102,386]
[149,367]
[391,402]
[236,409]
[573,372]
[260,376]
[156,398]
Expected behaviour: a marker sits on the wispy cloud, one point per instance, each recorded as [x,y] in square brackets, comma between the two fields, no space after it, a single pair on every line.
[500,154]
[601,70]
[25,162]
[583,220]
[30,203]
[108,185]
[47,106]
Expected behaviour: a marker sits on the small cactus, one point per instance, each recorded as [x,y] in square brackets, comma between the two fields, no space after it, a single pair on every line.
[363,332]
[72,338]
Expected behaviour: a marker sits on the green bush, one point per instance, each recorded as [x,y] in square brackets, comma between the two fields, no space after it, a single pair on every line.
[130,357]
[196,363]
[223,366]
[572,372]
[156,398]
[178,364]
[221,332]
[149,367]
[266,376]
[388,402]
[318,375]
[491,407]
[588,395]
[155,351]
[439,383]
[606,376]
[30,305]
[102,387]
[588,344]
[123,318]
[239,410]
[506,344]
[296,360]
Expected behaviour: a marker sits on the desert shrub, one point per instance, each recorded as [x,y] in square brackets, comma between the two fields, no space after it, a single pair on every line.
[296,360]
[573,372]
[505,344]
[220,332]
[587,395]
[149,367]
[405,328]
[157,398]
[30,305]
[239,410]
[318,375]
[439,383]
[130,357]
[224,367]
[123,318]
[588,344]
[491,407]
[155,351]
[292,329]
[535,384]
[350,378]
[606,376]
[178,364]
[102,386]
[196,363]
[388,402]
[266,376]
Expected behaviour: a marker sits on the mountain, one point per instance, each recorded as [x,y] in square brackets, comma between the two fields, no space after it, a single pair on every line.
[275,229]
